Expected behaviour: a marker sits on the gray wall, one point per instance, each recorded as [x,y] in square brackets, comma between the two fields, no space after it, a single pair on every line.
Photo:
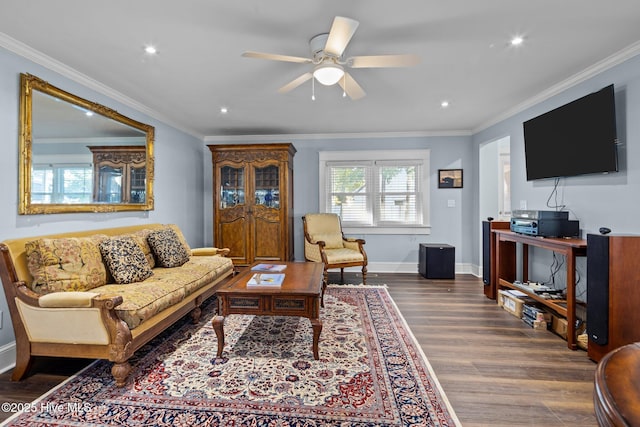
[595,200]
[178,170]
[384,252]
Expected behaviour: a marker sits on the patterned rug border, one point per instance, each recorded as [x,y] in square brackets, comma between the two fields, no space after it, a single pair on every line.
[432,373]
[384,287]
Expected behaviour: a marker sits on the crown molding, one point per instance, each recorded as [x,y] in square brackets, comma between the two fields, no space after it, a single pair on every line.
[54,65]
[37,57]
[329,136]
[597,68]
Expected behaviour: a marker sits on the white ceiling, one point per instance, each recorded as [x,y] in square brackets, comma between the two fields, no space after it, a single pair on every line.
[464,47]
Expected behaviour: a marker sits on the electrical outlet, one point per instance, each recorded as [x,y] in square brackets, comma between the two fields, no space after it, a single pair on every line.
[523,204]
[451,203]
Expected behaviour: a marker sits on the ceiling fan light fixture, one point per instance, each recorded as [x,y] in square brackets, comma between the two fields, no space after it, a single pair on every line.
[328,74]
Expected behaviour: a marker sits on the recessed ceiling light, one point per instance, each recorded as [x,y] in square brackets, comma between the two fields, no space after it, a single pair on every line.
[89,113]
[517,41]
[224,110]
[444,104]
[150,50]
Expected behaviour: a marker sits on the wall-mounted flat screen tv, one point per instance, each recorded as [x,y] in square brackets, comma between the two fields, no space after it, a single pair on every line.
[576,139]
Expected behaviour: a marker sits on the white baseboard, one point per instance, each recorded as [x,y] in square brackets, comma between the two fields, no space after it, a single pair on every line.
[7,357]
[409,267]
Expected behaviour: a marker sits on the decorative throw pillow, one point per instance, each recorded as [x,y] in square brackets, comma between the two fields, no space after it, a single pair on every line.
[167,247]
[125,260]
[65,264]
[140,237]
[178,232]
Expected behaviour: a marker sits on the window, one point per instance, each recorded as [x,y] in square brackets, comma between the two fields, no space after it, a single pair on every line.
[382,192]
[51,183]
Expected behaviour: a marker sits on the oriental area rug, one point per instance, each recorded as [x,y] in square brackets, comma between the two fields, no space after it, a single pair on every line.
[371,372]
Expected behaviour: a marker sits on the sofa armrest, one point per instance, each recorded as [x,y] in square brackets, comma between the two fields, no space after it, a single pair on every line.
[210,251]
[67,299]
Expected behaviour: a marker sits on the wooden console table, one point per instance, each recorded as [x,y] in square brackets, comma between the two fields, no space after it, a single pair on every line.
[505,262]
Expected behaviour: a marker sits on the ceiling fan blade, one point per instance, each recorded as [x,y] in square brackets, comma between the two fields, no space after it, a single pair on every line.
[341,32]
[276,57]
[383,61]
[351,87]
[295,83]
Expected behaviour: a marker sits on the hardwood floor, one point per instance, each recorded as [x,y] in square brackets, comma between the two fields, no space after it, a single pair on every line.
[494,369]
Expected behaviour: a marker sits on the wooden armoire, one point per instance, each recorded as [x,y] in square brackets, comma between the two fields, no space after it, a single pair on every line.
[119,173]
[253,201]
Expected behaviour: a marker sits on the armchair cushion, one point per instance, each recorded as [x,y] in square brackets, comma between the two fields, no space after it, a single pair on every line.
[343,255]
[65,264]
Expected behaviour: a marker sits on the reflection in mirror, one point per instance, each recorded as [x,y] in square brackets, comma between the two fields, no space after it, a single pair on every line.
[79,156]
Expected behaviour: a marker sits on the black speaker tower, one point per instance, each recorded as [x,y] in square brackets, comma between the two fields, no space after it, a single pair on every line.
[598,288]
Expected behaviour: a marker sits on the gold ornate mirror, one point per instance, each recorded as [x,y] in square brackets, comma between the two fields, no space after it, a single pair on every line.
[80,156]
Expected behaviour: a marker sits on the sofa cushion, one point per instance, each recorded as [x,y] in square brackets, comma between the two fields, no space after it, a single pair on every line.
[195,273]
[65,264]
[166,287]
[167,248]
[125,260]
[142,301]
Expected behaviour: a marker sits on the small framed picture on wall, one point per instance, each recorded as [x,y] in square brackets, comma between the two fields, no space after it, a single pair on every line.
[449,178]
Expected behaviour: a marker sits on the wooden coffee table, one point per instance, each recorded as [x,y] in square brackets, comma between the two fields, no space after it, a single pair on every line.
[299,295]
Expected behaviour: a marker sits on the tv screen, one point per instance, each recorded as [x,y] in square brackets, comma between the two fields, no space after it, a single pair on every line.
[576,139]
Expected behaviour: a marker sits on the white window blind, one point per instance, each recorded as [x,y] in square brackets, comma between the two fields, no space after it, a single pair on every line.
[375,189]
[62,183]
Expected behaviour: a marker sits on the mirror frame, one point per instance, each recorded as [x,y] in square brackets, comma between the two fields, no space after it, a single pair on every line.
[29,83]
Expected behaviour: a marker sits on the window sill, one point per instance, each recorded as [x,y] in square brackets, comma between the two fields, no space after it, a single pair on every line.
[387,230]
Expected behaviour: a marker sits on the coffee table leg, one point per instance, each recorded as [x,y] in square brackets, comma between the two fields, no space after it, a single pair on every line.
[316,324]
[218,326]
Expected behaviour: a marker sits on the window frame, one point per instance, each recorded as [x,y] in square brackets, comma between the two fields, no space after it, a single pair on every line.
[58,170]
[413,157]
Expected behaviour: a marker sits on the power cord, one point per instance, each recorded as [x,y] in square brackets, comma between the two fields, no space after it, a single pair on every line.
[555,195]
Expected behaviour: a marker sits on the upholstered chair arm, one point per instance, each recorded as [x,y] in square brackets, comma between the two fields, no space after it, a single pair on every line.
[210,251]
[313,251]
[355,244]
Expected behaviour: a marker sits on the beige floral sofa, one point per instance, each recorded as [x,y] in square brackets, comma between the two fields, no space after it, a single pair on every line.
[104,293]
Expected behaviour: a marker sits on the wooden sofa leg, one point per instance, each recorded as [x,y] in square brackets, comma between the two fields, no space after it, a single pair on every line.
[23,363]
[196,312]
[342,276]
[195,315]
[364,274]
[120,371]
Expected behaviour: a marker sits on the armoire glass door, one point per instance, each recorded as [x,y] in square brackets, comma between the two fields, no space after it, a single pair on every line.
[109,184]
[267,186]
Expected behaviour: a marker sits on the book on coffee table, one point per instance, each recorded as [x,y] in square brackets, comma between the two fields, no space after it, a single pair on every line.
[266,279]
[269,267]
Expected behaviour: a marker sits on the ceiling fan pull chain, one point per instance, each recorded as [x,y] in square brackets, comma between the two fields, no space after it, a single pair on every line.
[344,85]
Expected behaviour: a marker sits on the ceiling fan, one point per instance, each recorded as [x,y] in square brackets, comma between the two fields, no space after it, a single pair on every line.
[329,65]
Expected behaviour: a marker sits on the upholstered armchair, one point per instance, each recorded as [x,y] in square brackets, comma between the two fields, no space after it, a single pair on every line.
[324,242]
